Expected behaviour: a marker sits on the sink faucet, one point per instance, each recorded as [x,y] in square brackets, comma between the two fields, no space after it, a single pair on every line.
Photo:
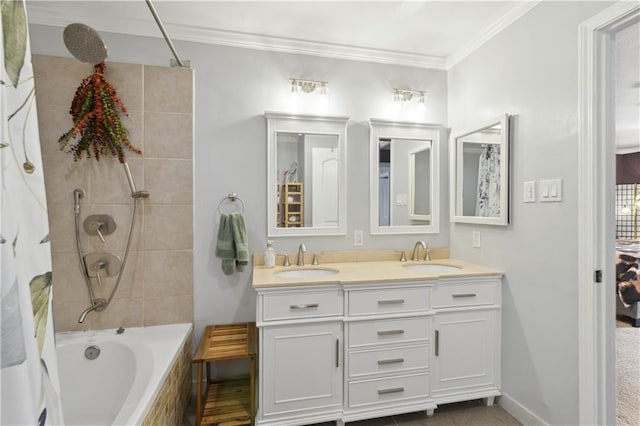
[301,251]
[416,251]
[98,305]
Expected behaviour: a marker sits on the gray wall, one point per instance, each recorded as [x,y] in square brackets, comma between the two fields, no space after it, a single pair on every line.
[233,88]
[530,70]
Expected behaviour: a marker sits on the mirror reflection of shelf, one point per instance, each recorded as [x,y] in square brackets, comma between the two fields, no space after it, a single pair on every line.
[292,200]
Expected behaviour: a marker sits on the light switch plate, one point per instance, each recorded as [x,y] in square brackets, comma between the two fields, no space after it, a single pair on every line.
[551,190]
[358,238]
[476,239]
[530,192]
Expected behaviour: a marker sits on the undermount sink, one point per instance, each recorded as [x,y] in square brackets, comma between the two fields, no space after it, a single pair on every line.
[306,273]
[431,267]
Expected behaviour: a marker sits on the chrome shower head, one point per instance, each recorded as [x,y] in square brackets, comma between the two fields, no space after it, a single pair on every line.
[84,43]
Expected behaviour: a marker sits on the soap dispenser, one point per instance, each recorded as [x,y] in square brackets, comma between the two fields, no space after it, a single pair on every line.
[269,255]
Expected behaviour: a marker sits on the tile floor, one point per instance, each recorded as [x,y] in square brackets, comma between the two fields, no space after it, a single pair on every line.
[473,413]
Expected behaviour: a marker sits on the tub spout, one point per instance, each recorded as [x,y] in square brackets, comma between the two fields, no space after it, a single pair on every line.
[98,305]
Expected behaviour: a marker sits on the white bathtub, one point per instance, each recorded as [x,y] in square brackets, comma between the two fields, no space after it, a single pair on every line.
[119,386]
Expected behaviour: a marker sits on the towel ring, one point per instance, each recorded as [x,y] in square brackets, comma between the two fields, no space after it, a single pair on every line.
[231,197]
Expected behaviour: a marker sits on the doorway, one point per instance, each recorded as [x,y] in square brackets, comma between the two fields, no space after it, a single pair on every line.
[597,396]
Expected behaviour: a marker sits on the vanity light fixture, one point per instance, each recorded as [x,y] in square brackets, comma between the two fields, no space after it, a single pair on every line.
[308,86]
[406,95]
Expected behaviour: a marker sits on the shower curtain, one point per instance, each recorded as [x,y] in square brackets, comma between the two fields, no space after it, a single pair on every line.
[488,203]
[28,371]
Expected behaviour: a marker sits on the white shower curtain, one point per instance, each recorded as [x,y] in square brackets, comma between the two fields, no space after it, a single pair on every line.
[488,202]
[28,373]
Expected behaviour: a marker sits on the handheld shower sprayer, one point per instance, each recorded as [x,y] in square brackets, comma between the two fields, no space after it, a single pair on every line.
[132,186]
[78,193]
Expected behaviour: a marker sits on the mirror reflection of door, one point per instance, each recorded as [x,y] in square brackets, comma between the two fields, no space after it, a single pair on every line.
[314,179]
[384,183]
[404,182]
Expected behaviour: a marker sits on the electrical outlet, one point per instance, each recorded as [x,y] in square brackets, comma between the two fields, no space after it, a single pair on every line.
[358,238]
[476,239]
[530,192]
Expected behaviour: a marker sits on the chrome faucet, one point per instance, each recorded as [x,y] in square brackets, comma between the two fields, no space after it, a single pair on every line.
[416,251]
[301,251]
[98,305]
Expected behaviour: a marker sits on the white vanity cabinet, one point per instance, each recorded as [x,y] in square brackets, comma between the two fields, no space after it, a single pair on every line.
[466,362]
[388,332]
[353,351]
[300,357]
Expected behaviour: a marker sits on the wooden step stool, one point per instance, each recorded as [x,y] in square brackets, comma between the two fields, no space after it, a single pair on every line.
[228,402]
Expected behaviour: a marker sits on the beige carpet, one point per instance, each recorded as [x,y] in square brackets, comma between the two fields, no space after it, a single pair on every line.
[628,376]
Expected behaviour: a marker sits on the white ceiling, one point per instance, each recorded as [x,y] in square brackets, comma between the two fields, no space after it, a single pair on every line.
[429,34]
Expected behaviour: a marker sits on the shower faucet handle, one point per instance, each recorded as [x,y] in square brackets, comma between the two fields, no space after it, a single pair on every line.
[100,225]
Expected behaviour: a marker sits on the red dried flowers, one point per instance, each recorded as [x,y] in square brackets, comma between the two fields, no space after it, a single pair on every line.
[96,121]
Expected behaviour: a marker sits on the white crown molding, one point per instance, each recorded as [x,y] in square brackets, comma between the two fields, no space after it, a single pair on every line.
[43,14]
[492,30]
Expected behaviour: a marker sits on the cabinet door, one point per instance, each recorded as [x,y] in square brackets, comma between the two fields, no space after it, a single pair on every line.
[301,367]
[466,350]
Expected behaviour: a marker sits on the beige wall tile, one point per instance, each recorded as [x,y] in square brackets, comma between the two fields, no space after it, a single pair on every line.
[127,80]
[169,181]
[168,227]
[168,135]
[62,225]
[57,78]
[53,122]
[68,283]
[61,176]
[168,89]
[109,184]
[168,273]
[119,313]
[168,310]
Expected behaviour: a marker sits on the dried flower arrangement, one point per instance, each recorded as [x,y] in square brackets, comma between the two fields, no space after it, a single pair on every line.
[96,121]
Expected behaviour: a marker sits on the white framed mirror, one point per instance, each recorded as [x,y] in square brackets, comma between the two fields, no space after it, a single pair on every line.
[306,174]
[404,177]
[480,173]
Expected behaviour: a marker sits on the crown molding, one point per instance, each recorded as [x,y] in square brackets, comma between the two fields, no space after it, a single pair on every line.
[43,14]
[492,30]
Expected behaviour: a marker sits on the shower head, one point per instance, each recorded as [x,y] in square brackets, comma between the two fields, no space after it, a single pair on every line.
[84,43]
[132,186]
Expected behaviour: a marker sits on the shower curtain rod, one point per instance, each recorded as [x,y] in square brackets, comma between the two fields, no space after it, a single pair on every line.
[164,33]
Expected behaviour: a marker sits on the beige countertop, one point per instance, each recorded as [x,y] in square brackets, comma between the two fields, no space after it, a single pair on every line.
[367,272]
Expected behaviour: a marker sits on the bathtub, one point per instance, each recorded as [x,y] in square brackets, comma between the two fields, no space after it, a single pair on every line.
[125,382]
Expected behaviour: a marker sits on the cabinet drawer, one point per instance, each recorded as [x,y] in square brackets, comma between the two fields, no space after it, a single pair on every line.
[389,331]
[450,295]
[396,360]
[308,304]
[387,301]
[392,389]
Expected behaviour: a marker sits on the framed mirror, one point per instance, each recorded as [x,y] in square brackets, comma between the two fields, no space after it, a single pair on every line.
[404,177]
[306,174]
[480,173]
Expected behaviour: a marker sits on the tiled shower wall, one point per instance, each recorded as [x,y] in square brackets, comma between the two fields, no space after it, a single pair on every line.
[157,285]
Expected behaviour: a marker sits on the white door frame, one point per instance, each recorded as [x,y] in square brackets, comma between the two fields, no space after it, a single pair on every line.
[596,215]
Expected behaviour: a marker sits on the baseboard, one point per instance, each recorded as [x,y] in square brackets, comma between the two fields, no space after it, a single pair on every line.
[520,412]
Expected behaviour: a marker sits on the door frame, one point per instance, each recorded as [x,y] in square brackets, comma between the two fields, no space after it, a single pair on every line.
[596,214]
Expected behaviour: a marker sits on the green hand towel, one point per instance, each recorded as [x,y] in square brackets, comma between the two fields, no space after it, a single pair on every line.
[240,240]
[224,246]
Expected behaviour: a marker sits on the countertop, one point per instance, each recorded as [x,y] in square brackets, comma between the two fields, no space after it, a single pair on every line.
[368,272]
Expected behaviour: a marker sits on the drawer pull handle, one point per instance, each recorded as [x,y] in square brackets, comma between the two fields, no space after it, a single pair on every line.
[337,353]
[389,332]
[391,302]
[437,343]
[456,295]
[390,390]
[308,305]
[391,361]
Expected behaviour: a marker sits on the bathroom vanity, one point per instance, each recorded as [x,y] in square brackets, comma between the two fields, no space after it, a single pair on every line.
[357,340]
